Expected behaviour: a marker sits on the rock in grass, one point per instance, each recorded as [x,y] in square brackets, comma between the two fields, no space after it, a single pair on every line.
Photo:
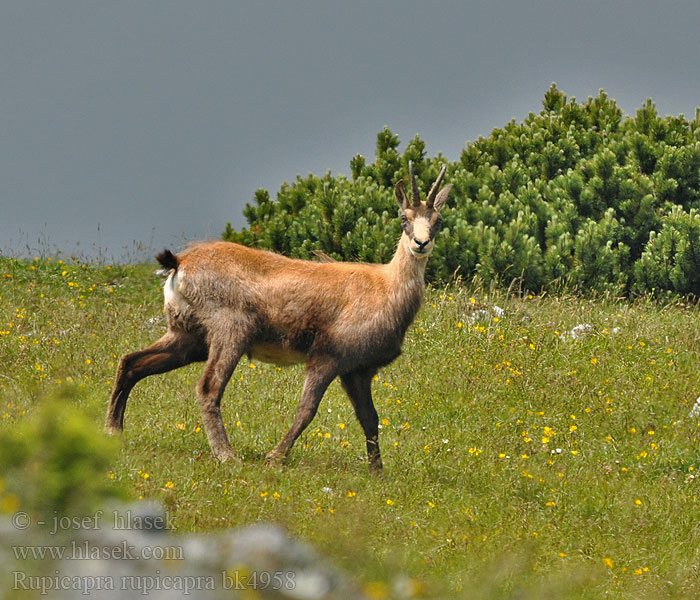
[695,411]
[131,553]
[581,330]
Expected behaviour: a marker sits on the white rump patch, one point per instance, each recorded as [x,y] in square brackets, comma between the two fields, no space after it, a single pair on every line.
[172,295]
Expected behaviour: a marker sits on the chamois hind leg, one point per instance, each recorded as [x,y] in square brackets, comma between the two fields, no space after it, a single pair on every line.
[358,386]
[318,378]
[173,350]
[223,358]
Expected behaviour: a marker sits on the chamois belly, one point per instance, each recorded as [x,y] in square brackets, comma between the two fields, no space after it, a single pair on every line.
[277,355]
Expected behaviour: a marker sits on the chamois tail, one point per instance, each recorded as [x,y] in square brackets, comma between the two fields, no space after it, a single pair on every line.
[168,260]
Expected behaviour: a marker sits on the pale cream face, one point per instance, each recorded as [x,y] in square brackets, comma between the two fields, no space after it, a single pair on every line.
[421,220]
[420,226]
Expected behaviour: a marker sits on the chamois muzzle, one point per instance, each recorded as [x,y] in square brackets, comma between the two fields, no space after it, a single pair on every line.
[421,245]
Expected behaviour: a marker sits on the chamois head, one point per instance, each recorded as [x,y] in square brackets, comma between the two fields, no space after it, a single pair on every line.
[421,220]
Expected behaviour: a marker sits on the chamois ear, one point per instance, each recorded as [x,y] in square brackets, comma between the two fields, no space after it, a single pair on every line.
[442,197]
[401,198]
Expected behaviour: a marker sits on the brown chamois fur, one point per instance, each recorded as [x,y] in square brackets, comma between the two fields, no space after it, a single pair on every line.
[346,320]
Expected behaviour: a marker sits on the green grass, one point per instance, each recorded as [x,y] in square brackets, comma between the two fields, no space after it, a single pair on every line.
[518,462]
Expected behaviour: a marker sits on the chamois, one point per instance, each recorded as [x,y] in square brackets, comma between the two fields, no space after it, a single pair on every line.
[224,300]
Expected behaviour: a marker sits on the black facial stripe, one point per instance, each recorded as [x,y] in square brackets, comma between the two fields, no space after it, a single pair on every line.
[435,227]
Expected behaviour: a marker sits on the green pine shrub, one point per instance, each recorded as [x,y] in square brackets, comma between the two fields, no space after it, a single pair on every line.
[56,461]
[671,259]
[577,196]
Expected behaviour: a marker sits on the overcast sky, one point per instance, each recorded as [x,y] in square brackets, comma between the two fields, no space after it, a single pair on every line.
[155,121]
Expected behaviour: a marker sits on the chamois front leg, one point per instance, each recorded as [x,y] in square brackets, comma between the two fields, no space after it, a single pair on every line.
[318,378]
[222,361]
[358,386]
[170,352]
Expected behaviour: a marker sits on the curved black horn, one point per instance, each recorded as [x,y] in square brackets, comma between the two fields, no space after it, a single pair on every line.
[436,186]
[414,185]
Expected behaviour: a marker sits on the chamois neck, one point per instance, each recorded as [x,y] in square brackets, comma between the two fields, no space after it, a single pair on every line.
[407,271]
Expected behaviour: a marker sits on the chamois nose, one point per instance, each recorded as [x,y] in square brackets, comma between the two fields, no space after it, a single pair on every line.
[421,245]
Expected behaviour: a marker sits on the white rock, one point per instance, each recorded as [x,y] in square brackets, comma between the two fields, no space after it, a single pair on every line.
[581,330]
[695,411]
[479,315]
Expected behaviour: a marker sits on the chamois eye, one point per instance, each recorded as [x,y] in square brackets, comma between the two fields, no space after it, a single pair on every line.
[404,218]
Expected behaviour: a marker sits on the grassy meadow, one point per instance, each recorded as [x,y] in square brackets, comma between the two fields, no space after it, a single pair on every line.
[520,461]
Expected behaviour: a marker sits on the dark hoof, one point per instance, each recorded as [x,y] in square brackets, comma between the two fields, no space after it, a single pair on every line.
[376,468]
[273,459]
[113,429]
[225,454]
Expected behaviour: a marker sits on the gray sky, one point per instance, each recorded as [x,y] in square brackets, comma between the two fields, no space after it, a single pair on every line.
[154,122]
